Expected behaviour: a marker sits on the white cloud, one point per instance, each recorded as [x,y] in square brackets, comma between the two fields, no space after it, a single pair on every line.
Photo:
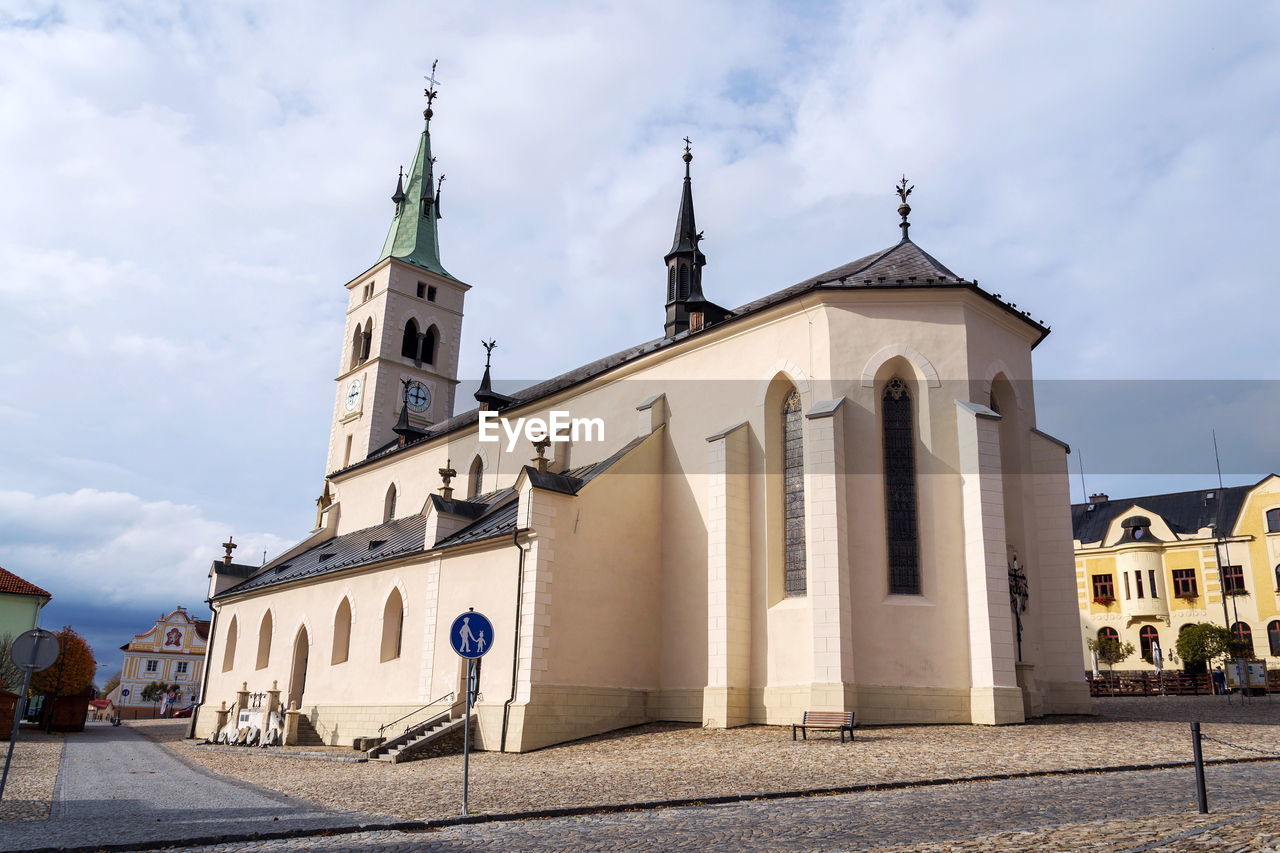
[114,548]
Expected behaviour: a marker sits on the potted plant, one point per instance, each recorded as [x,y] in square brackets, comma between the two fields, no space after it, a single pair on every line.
[1104,600]
[1189,597]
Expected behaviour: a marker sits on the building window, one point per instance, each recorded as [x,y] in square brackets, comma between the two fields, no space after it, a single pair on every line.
[1273,637]
[671,284]
[389,505]
[1148,638]
[182,667]
[1128,594]
[1104,588]
[341,633]
[1233,580]
[1108,634]
[409,343]
[475,478]
[264,641]
[429,338]
[153,665]
[229,653]
[1277,578]
[1137,580]
[392,626]
[1184,583]
[1151,573]
[684,281]
[793,494]
[1273,520]
[365,341]
[431,293]
[422,290]
[900,489]
[1243,635]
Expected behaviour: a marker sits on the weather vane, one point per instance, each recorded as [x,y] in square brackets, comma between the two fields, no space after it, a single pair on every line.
[489,347]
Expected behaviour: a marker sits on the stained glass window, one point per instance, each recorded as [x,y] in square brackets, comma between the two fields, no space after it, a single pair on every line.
[793,494]
[900,490]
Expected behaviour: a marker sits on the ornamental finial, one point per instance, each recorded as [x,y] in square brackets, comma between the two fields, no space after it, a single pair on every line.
[489,347]
[904,209]
[430,92]
[230,545]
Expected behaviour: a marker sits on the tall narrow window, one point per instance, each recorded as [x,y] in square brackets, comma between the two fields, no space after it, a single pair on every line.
[1148,638]
[475,479]
[341,633]
[793,494]
[1243,636]
[1273,637]
[366,340]
[429,338]
[1128,592]
[392,626]
[1273,521]
[389,506]
[1137,580]
[684,281]
[671,284]
[409,343]
[900,489]
[1233,580]
[357,342]
[264,641]
[1151,573]
[229,650]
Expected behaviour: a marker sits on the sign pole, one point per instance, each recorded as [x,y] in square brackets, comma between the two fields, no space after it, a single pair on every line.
[466,734]
[19,708]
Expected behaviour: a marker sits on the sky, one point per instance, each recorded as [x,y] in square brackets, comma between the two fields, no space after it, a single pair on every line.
[185,188]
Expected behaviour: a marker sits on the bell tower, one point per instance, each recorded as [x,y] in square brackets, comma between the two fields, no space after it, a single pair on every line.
[404,321]
[687,308]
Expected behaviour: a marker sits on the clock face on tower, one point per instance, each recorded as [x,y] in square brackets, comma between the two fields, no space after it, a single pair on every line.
[417,397]
[353,395]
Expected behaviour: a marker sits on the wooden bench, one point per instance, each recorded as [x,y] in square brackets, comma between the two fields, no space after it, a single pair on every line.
[841,721]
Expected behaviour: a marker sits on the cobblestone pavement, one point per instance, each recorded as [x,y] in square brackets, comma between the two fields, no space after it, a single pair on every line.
[1130,811]
[115,786]
[669,761]
[29,791]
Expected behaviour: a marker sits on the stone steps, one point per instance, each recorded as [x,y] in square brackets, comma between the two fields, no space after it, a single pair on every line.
[404,750]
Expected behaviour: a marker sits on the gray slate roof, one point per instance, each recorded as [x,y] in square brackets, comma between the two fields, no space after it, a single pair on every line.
[1184,512]
[903,264]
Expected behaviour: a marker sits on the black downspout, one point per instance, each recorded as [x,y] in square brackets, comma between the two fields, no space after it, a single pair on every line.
[208,659]
[515,646]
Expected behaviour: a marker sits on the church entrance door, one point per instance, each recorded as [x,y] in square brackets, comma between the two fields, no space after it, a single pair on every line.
[298,677]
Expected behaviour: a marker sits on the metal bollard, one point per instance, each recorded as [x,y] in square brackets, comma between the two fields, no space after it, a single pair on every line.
[1202,796]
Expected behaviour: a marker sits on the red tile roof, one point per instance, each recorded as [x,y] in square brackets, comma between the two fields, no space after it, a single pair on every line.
[11,584]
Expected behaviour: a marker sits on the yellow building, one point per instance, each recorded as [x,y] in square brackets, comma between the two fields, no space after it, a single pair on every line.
[1147,566]
[814,501]
[171,651]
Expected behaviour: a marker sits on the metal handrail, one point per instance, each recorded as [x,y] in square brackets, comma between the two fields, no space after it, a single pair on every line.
[448,697]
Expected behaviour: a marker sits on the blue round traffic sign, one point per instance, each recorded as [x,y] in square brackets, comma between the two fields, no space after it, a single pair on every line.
[471,634]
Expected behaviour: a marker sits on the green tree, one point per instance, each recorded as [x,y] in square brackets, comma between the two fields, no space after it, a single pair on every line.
[1110,651]
[1203,641]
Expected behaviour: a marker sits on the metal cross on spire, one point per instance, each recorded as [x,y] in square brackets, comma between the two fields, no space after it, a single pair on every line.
[430,92]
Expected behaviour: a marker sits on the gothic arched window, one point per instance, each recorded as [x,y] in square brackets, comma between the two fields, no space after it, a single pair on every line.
[793,495]
[341,633]
[409,344]
[389,505]
[366,340]
[392,626]
[229,652]
[475,478]
[429,339]
[357,341]
[264,641]
[900,489]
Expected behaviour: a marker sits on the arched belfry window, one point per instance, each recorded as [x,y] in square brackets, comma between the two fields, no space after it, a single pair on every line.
[900,489]
[357,344]
[409,344]
[366,340]
[429,338]
[389,506]
[475,478]
[793,494]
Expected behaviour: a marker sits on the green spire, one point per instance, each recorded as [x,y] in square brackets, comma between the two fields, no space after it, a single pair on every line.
[413,237]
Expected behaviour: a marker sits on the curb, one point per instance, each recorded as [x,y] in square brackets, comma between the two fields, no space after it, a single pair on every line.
[646,805]
[275,753]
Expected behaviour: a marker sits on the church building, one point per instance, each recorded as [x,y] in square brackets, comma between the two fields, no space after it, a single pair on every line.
[831,498]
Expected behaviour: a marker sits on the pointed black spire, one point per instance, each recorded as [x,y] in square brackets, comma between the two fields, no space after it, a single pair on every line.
[687,307]
[398,196]
[489,399]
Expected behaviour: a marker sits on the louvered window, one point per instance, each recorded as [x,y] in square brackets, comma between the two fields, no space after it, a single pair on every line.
[793,494]
[900,490]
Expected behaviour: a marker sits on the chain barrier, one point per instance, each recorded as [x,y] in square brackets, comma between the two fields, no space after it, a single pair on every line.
[1238,746]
